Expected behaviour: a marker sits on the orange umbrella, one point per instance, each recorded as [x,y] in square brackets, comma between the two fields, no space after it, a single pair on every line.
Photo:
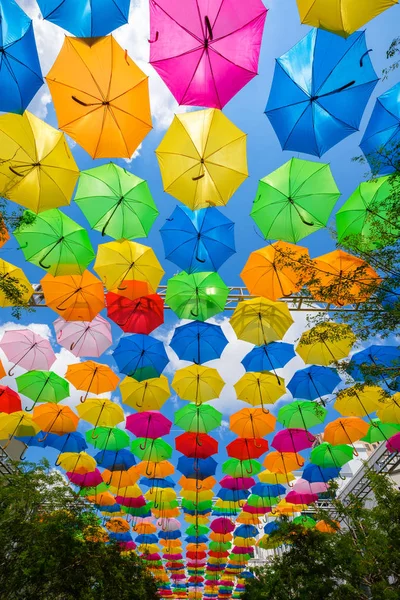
[2,371]
[55,418]
[118,525]
[345,431]
[155,470]
[194,484]
[102,499]
[283,462]
[120,479]
[90,376]
[145,528]
[74,297]
[276,270]
[341,278]
[220,537]
[101,97]
[325,527]
[252,423]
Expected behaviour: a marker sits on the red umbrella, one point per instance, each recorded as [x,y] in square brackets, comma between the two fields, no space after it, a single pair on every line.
[150,424]
[292,440]
[196,554]
[246,448]
[138,315]
[9,400]
[196,445]
[218,554]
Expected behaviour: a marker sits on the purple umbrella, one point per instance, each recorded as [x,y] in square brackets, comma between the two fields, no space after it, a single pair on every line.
[27,350]
[84,338]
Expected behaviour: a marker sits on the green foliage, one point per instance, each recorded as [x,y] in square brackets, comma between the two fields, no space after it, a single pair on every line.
[51,545]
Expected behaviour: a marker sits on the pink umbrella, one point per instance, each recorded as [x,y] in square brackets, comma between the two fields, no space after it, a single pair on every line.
[237,483]
[84,338]
[27,350]
[296,498]
[257,510]
[169,524]
[127,545]
[90,479]
[131,502]
[393,444]
[178,576]
[242,550]
[302,486]
[206,51]
[154,556]
[222,525]
[292,440]
[150,424]
[172,556]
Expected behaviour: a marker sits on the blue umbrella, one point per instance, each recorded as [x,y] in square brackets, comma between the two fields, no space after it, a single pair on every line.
[69,442]
[86,18]
[247,574]
[34,440]
[382,357]
[246,531]
[381,140]
[113,508]
[232,495]
[199,539]
[267,489]
[198,342]
[268,357]
[197,468]
[270,527]
[140,356]
[115,461]
[120,537]
[166,482]
[313,382]
[169,535]
[198,241]
[313,473]
[320,90]
[147,538]
[20,72]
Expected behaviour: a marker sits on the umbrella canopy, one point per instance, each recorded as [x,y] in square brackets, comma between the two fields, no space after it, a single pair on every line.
[378,431]
[196,468]
[197,383]
[84,338]
[268,357]
[54,242]
[100,96]
[196,50]
[198,342]
[149,424]
[27,350]
[202,158]
[360,402]
[18,424]
[16,288]
[121,460]
[140,356]
[107,438]
[37,169]
[247,448]
[68,442]
[42,386]
[196,445]
[302,414]
[314,473]
[252,423]
[294,201]
[9,400]
[345,431]
[53,418]
[92,377]
[313,382]
[313,103]
[74,297]
[374,363]
[124,260]
[198,419]
[292,440]
[325,343]
[260,389]
[380,142]
[260,321]
[116,202]
[327,456]
[198,241]
[389,410]
[241,468]
[86,20]
[76,462]
[196,296]
[283,462]
[155,450]
[141,315]
[146,395]
[101,412]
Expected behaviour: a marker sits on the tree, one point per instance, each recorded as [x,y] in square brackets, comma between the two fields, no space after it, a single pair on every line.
[52,544]
[361,561]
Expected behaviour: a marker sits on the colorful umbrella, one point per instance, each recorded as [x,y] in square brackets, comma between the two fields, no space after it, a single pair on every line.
[92,377]
[107,438]
[240,468]
[393,445]
[140,356]
[198,342]
[17,424]
[101,412]
[247,448]
[37,169]
[42,386]
[196,296]
[325,343]
[260,321]
[196,445]
[53,418]
[74,297]
[69,442]
[27,349]
[260,388]
[100,96]
[197,419]
[116,202]
[313,103]
[252,423]
[345,431]
[202,158]
[155,450]
[314,473]
[149,424]
[145,395]
[374,363]
[15,287]
[197,383]
[283,462]
[302,414]
[84,338]
[76,462]
[389,410]
[360,402]
[293,440]
[304,486]
[141,315]
[313,382]
[196,468]
[378,431]
[327,456]
[122,460]
[10,401]
[268,357]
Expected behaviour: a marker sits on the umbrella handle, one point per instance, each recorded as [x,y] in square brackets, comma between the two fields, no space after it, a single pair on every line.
[198,442]
[15,172]
[42,265]
[365,54]
[85,103]
[194,314]
[198,177]
[45,437]
[200,260]
[153,42]
[208,27]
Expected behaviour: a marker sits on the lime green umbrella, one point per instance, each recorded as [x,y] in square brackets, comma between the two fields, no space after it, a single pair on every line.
[241,468]
[93,491]
[295,200]
[203,505]
[325,455]
[151,450]
[196,296]
[304,521]
[379,432]
[364,212]
[116,202]
[261,501]
[107,438]
[196,530]
[54,242]
[301,414]
[42,386]
[198,419]
[219,546]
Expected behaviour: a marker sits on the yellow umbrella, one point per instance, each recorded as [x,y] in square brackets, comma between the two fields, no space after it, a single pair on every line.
[101,412]
[359,401]
[16,288]
[149,394]
[76,462]
[130,491]
[197,496]
[202,158]
[260,321]
[275,478]
[260,388]
[197,383]
[124,260]
[325,343]
[196,519]
[160,494]
[20,424]
[37,169]
[389,410]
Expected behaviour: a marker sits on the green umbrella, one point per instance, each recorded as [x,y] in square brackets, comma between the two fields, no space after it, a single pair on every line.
[137,512]
[93,491]
[261,501]
[42,386]
[116,202]
[151,450]
[378,431]
[295,200]
[325,455]
[304,521]
[220,546]
[54,242]
[204,505]
[198,419]
[364,211]
[194,530]
[269,544]
[241,468]
[107,438]
[196,296]
[301,414]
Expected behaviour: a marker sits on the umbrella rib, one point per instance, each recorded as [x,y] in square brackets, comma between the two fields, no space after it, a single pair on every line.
[73,88]
[89,71]
[179,24]
[130,115]
[9,56]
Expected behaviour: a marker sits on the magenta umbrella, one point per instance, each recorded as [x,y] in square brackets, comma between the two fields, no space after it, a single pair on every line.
[150,424]
[257,510]
[131,502]
[177,576]
[222,525]
[242,550]
[90,479]
[27,350]
[127,545]
[292,440]
[237,483]
[296,498]
[393,444]
[206,51]
[84,338]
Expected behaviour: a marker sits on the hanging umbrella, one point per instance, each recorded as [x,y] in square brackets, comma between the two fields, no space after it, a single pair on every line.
[10,401]
[198,342]
[68,442]
[252,423]
[149,424]
[360,402]
[314,473]
[116,202]
[118,525]
[74,297]
[54,242]
[327,456]
[76,462]
[20,73]
[374,363]
[389,410]
[292,440]
[146,395]
[27,349]
[124,260]
[379,432]
[196,468]
[301,414]
[198,241]
[314,103]
[303,486]
[192,484]
[101,412]
[37,169]
[16,288]
[240,468]
[92,377]
[197,419]
[393,444]
[155,450]
[380,142]
[100,96]
[196,50]
[283,463]
[121,460]
[17,424]
[325,343]
[87,480]
[140,356]
[42,386]
[53,418]
[142,315]
[196,296]
[268,357]
[325,527]
[247,448]
[260,321]
[313,382]
[107,438]
[84,338]
[345,431]
[120,479]
[236,484]
[197,384]
[202,158]
[196,445]
[260,388]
